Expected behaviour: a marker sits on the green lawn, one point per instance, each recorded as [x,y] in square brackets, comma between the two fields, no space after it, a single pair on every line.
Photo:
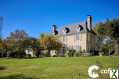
[52,68]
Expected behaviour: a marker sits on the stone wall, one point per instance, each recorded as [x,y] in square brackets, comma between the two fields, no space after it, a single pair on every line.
[85,41]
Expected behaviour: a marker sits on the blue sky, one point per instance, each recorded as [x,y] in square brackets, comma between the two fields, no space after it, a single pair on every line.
[37,16]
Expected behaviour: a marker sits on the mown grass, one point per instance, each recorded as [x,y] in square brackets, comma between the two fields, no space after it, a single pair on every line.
[52,67]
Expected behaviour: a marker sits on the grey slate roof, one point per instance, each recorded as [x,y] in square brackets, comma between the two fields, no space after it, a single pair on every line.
[73,28]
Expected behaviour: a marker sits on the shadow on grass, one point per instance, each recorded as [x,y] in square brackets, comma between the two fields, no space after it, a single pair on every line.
[2,67]
[19,76]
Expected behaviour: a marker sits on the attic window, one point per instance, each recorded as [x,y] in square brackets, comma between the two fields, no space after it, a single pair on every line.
[79,28]
[66,30]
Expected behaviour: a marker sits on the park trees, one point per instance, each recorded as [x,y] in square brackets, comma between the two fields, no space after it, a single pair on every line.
[14,43]
[18,42]
[33,43]
[49,42]
[115,34]
[108,31]
[1,48]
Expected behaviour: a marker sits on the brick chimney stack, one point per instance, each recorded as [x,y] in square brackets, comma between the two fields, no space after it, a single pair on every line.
[89,22]
[54,30]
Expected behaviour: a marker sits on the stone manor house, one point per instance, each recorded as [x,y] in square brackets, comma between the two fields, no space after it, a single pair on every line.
[79,36]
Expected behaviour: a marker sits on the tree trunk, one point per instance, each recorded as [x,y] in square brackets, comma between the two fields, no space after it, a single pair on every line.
[116,47]
[48,52]
[2,54]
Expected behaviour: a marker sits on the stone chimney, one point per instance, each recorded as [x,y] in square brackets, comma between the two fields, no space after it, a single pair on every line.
[89,22]
[54,30]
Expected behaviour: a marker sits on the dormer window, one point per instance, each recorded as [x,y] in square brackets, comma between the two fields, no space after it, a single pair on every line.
[79,28]
[66,30]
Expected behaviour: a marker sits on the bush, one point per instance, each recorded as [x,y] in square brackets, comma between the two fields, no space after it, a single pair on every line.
[70,53]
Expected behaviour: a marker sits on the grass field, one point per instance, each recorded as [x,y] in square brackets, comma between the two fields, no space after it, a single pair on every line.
[52,68]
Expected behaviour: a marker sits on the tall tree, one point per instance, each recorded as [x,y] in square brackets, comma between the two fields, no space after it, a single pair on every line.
[49,42]
[114,33]
[110,28]
[100,31]
[15,42]
[1,48]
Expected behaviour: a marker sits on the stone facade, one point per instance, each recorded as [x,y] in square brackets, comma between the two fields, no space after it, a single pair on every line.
[79,37]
